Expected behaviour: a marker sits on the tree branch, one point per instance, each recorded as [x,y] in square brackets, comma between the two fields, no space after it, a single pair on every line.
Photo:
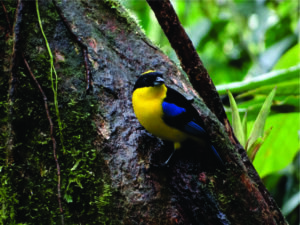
[188,56]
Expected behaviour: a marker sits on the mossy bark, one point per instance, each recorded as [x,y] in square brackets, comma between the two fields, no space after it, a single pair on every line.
[105,175]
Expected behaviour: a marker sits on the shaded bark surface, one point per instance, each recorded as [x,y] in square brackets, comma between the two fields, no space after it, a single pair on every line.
[98,53]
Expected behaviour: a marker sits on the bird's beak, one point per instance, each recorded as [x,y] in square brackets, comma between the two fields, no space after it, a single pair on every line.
[159,81]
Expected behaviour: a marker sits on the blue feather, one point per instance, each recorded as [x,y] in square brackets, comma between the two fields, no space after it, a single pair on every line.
[217,155]
[194,129]
[172,110]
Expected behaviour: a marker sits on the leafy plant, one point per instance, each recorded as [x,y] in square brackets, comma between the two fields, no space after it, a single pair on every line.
[257,135]
[284,115]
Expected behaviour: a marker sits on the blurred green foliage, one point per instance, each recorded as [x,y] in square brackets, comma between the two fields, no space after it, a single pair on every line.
[253,44]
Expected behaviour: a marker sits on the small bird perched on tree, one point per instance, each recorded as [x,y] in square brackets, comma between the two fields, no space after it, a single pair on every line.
[167,114]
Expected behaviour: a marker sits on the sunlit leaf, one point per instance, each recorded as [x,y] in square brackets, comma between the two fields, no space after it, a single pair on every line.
[254,148]
[76,165]
[259,124]
[273,77]
[236,121]
[290,58]
[281,146]
[68,198]
[257,144]
[290,87]
[244,125]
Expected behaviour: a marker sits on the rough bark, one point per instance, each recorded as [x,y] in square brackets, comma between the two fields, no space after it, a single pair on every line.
[105,177]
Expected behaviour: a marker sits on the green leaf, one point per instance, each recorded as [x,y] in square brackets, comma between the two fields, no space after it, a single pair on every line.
[236,121]
[273,77]
[76,165]
[287,88]
[254,148]
[244,125]
[259,124]
[280,148]
[257,144]
[68,198]
[290,58]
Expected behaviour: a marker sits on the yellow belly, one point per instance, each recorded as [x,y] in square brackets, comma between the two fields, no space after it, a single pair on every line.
[149,112]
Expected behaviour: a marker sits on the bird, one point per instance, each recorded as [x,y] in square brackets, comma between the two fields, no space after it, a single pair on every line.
[167,114]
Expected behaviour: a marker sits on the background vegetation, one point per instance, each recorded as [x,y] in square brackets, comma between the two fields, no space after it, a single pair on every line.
[241,42]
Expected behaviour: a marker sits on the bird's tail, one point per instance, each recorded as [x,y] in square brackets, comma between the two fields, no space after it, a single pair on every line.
[220,162]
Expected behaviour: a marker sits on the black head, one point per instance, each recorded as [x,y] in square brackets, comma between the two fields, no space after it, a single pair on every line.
[149,79]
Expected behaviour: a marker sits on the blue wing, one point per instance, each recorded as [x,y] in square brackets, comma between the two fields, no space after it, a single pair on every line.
[177,117]
[172,110]
[221,163]
[194,129]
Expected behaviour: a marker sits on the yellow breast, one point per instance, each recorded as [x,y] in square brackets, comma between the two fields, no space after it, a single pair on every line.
[147,106]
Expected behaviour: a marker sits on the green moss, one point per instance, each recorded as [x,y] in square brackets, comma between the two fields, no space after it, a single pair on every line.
[28,191]
[8,198]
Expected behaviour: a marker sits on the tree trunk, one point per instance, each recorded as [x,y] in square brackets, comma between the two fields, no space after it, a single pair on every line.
[95,164]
